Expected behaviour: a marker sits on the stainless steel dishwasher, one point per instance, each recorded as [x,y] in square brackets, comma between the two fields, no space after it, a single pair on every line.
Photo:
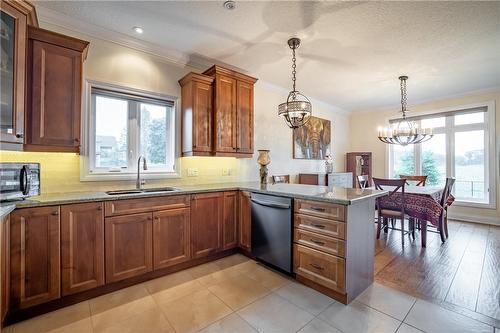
[272,230]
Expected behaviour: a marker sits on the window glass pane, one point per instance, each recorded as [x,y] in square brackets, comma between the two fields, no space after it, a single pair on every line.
[433,122]
[154,134]
[470,165]
[111,137]
[403,160]
[470,118]
[433,160]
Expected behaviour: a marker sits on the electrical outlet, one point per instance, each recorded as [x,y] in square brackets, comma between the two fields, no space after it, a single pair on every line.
[225,171]
[192,172]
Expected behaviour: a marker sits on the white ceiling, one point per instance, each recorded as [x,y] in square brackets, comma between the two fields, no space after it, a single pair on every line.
[351,54]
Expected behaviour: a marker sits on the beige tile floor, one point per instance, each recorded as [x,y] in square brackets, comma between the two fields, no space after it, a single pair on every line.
[237,295]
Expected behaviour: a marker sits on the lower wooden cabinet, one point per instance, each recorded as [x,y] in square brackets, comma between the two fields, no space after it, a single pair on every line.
[4,267]
[171,241]
[230,220]
[245,221]
[35,256]
[206,226]
[324,269]
[129,246]
[82,247]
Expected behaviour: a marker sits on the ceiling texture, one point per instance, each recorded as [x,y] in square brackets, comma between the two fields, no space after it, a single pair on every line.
[351,53]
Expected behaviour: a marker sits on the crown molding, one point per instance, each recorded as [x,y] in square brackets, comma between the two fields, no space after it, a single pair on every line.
[195,61]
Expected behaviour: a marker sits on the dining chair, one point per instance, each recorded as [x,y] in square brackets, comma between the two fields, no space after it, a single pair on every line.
[420,180]
[442,227]
[394,186]
[363,181]
[281,179]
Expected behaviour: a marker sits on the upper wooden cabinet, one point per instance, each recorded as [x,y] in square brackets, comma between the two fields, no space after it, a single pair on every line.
[82,247]
[197,114]
[16,15]
[35,256]
[217,113]
[54,89]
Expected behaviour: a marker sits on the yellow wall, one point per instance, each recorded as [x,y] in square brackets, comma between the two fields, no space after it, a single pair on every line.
[364,138]
[61,172]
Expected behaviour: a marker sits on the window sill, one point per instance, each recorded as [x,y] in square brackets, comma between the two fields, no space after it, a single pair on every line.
[99,177]
[472,204]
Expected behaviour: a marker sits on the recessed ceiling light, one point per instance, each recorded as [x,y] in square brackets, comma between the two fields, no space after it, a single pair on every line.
[229,4]
[138,30]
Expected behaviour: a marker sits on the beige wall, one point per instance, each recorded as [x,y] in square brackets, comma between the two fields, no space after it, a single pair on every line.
[113,63]
[364,137]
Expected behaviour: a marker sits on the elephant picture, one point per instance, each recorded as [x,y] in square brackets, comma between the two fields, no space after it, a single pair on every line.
[312,141]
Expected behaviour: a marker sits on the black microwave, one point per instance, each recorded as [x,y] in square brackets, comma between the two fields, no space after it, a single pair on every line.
[19,180]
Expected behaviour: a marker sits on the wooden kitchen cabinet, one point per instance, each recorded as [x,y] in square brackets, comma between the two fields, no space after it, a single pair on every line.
[128,246]
[230,219]
[4,267]
[82,247]
[245,221]
[206,223]
[244,117]
[15,19]
[54,89]
[35,256]
[171,241]
[197,115]
[233,112]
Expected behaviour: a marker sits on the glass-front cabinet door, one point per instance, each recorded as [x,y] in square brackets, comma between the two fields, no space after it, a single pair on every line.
[12,73]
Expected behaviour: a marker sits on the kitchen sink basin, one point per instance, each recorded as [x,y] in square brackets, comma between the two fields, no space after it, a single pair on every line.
[146,190]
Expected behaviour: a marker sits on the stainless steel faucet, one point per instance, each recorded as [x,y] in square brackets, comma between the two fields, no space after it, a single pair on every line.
[140,182]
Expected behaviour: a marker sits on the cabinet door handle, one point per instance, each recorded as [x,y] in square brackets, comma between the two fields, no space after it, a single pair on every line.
[317,267]
[99,207]
[19,136]
[318,209]
[77,140]
[55,213]
[320,226]
[317,242]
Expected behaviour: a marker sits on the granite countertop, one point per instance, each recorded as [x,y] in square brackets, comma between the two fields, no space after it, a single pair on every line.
[344,196]
[6,208]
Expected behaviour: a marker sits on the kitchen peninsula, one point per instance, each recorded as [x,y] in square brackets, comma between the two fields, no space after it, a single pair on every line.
[72,246]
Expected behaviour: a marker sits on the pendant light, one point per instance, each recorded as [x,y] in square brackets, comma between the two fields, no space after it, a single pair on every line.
[405,131]
[297,109]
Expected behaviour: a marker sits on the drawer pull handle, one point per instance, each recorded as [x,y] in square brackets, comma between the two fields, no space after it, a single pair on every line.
[319,226]
[317,267]
[55,213]
[317,242]
[318,209]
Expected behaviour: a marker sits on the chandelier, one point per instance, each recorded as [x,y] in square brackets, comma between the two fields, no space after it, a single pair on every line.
[405,131]
[297,109]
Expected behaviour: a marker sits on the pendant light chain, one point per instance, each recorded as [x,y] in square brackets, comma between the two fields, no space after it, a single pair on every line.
[294,66]
[403,97]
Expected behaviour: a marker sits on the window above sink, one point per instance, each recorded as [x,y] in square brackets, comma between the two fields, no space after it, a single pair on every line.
[122,124]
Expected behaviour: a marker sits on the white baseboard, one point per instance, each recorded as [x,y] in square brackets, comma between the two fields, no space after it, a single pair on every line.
[494,220]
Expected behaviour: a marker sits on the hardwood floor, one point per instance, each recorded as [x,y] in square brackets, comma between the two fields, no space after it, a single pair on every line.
[462,274]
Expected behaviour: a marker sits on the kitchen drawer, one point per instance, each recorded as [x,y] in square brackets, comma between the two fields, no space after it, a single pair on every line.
[324,269]
[319,242]
[139,205]
[322,226]
[320,209]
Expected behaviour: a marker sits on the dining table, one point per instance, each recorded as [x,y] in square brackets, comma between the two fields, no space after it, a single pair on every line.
[421,202]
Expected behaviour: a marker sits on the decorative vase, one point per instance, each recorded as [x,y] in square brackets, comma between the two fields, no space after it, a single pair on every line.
[263,159]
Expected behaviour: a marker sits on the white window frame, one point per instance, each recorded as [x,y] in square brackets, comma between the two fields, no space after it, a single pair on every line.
[450,129]
[130,172]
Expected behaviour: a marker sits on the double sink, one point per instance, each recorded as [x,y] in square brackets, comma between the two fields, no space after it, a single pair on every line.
[145,190]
